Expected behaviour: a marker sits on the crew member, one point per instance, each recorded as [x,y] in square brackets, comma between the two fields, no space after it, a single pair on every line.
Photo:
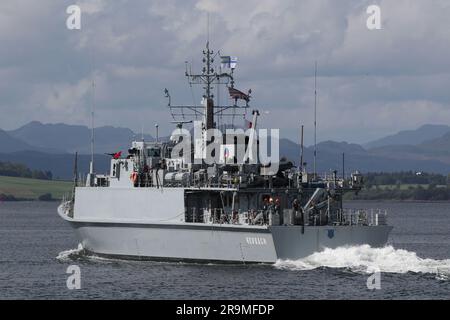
[235,217]
[296,209]
[270,209]
[277,210]
[252,216]
[266,207]
[277,206]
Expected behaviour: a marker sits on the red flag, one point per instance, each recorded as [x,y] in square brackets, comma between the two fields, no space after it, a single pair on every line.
[115,155]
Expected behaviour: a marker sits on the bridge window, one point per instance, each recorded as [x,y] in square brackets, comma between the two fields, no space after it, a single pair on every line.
[154,152]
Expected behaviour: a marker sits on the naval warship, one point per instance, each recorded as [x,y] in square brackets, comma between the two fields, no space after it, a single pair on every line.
[213,197]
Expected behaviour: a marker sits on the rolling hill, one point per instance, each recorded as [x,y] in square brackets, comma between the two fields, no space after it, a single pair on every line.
[52,147]
[329,158]
[61,165]
[63,138]
[11,144]
[436,149]
[411,137]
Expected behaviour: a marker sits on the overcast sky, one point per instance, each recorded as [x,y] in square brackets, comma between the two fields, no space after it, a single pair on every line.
[370,83]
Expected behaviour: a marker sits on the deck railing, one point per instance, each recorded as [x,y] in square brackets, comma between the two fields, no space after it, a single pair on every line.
[348,217]
[368,217]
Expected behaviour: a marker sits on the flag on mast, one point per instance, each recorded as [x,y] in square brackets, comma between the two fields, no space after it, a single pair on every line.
[115,155]
[228,62]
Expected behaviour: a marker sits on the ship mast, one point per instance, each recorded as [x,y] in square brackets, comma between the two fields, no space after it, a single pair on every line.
[91,175]
[209,78]
[209,75]
[92,127]
[315,120]
[91,180]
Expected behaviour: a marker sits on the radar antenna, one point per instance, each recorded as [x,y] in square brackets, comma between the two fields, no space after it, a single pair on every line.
[210,77]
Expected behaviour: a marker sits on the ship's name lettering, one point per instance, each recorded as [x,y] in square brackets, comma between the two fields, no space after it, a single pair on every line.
[256,241]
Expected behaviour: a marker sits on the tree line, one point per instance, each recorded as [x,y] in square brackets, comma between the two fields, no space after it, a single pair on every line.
[418,193]
[406,177]
[10,169]
[406,185]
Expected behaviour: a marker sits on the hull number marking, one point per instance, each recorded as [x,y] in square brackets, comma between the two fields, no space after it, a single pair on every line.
[256,241]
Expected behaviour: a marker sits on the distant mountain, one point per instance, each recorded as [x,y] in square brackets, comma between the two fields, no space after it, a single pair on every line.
[61,165]
[439,146]
[435,149]
[341,147]
[72,138]
[411,137]
[9,144]
[51,147]
[329,158]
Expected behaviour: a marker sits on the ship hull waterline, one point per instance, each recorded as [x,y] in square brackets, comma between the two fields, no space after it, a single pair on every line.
[208,243]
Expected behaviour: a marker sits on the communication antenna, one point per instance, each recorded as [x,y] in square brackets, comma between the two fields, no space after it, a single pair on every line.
[343,166]
[207,25]
[210,77]
[301,154]
[91,166]
[91,169]
[315,119]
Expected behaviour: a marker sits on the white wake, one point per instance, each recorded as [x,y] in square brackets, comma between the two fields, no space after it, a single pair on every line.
[70,255]
[366,259]
[80,254]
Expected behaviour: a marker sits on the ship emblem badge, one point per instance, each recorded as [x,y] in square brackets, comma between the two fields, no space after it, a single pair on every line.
[330,233]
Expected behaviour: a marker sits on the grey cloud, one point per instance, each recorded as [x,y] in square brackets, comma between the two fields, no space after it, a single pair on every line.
[370,82]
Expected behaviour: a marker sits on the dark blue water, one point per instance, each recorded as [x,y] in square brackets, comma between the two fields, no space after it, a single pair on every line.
[415,265]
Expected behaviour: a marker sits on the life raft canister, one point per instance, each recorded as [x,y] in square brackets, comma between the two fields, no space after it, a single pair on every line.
[134,177]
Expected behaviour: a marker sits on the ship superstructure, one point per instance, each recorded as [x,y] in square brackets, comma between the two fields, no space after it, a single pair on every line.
[206,194]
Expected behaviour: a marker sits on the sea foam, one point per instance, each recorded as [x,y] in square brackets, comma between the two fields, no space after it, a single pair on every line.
[367,260]
[71,255]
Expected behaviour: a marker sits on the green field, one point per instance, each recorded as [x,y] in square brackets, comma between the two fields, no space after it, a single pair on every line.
[31,189]
[405,186]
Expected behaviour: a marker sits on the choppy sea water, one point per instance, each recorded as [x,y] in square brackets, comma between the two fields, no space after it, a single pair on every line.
[37,247]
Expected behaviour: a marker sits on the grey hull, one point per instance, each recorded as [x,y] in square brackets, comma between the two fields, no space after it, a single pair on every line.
[219,243]
[291,243]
